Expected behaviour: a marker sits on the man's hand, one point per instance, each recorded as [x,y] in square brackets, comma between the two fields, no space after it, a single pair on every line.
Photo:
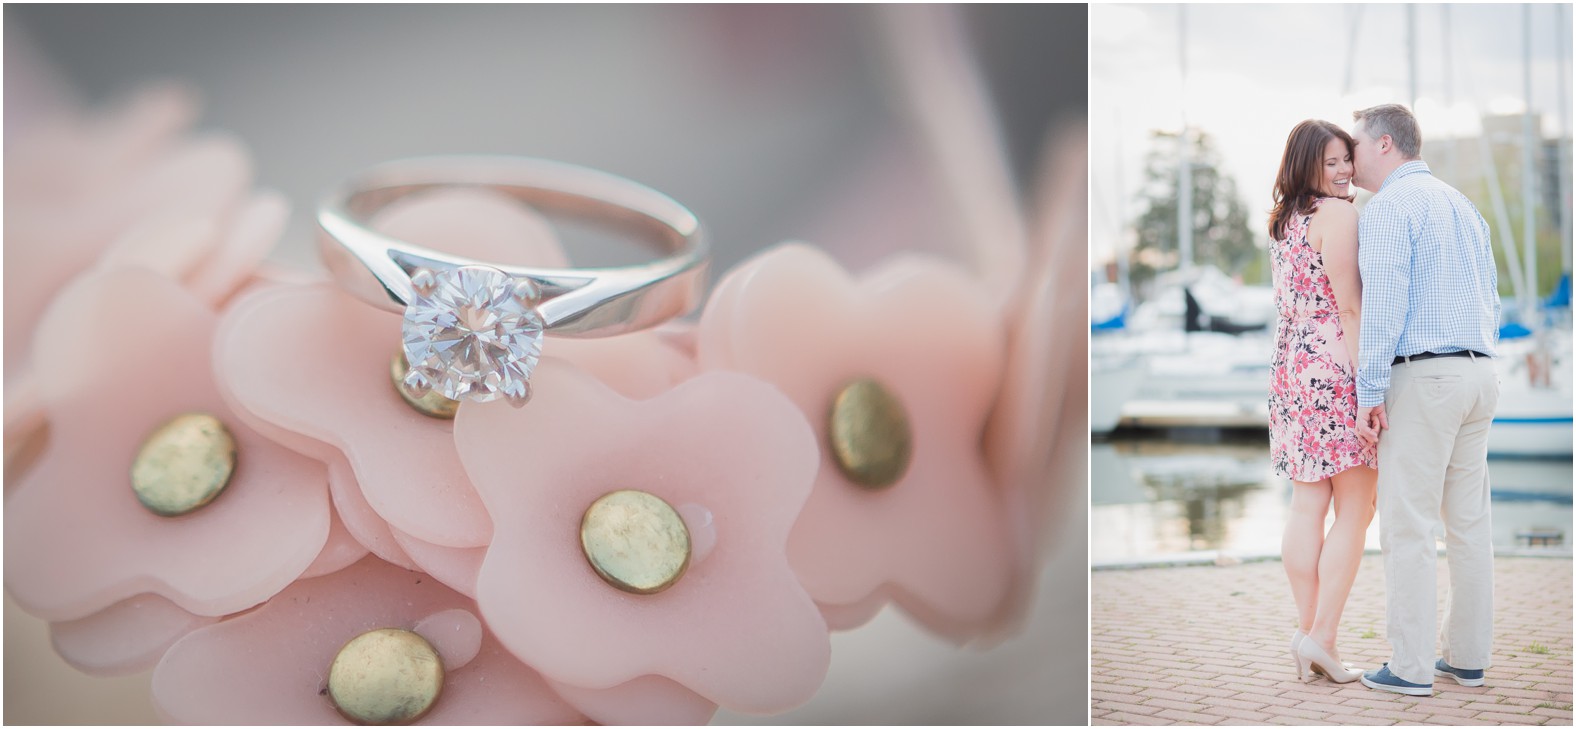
[1370,421]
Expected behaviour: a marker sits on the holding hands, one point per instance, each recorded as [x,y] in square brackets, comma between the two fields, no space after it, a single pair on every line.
[1370,421]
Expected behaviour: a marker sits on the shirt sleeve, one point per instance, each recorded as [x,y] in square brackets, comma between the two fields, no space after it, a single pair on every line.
[1384,258]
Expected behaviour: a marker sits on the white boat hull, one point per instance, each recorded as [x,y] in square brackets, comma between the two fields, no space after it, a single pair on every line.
[1532,420]
[1111,386]
[1548,437]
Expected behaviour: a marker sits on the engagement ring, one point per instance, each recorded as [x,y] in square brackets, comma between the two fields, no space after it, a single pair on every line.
[473,329]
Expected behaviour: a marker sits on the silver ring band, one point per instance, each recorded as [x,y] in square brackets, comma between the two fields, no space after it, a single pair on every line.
[576,302]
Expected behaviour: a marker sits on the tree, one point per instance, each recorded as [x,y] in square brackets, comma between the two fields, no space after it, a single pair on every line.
[1221,235]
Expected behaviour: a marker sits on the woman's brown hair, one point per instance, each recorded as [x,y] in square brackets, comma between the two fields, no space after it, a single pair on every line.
[1297,183]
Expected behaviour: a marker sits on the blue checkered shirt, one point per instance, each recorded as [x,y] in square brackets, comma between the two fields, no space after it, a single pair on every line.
[1429,282]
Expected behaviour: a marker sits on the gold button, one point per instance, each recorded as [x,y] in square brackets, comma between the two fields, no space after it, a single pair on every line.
[385,676]
[869,433]
[183,465]
[432,404]
[635,541]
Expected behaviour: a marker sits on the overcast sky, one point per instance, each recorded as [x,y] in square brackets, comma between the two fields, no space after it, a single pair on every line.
[1254,71]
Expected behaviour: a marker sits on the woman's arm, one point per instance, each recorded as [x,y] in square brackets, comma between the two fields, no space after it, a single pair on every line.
[1335,225]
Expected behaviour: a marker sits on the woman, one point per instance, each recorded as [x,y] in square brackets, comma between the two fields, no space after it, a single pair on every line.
[1313,397]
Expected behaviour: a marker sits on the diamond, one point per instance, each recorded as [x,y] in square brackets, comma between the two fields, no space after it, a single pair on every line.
[471,333]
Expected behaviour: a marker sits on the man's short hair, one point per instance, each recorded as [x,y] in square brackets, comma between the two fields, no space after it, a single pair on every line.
[1396,121]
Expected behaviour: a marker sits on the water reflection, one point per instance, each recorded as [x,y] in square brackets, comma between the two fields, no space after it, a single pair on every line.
[1212,490]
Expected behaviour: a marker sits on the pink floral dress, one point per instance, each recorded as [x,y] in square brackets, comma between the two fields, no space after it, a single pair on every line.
[1313,389]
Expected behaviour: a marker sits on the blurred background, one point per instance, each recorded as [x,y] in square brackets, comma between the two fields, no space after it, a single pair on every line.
[1189,112]
[769,122]
[762,120]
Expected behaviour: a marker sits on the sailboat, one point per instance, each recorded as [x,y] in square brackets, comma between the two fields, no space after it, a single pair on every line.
[1535,400]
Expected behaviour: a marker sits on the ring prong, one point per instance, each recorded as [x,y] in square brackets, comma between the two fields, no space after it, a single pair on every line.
[520,399]
[423,281]
[527,291]
[416,383]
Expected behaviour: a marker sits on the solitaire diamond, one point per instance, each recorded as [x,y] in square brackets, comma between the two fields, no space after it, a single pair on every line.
[472,333]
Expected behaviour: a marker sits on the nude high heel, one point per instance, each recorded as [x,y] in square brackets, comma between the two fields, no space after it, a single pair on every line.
[1297,636]
[1311,657]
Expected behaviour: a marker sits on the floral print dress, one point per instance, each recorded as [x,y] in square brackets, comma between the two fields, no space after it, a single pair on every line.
[1313,387]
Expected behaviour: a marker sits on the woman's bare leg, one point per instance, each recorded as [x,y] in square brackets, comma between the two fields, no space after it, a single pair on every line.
[1302,544]
[1343,550]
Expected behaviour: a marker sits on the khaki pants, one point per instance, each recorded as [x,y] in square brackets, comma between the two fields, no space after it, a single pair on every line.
[1433,467]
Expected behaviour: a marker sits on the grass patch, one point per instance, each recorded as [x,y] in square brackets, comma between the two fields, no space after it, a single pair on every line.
[1369,633]
[1559,707]
[1538,648]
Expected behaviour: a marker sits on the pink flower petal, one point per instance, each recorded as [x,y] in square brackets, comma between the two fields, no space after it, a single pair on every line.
[358,517]
[203,176]
[270,665]
[48,245]
[253,231]
[127,350]
[171,246]
[124,638]
[645,701]
[340,551]
[1044,401]
[935,540]
[680,334]
[453,566]
[311,360]
[856,613]
[24,426]
[640,365]
[456,634]
[736,628]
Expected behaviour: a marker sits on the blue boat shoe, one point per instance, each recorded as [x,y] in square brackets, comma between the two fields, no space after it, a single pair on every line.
[1463,676]
[1384,680]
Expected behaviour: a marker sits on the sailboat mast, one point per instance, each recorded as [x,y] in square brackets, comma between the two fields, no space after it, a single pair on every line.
[1124,278]
[1562,26]
[1356,13]
[1185,164]
[1449,166]
[1411,56]
[1528,178]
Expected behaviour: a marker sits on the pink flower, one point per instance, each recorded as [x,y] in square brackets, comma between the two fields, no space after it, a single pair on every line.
[270,665]
[309,366]
[1036,441]
[131,635]
[114,190]
[649,700]
[127,349]
[731,455]
[934,542]
[123,187]
[394,474]
[127,637]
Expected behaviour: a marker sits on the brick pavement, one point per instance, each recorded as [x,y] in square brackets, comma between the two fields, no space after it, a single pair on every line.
[1208,645]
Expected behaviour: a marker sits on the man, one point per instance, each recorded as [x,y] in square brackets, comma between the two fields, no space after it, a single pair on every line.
[1430,315]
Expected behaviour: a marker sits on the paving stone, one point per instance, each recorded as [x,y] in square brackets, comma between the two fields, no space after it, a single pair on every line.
[1170,646]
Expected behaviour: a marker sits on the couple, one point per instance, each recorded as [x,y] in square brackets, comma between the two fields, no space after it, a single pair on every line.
[1383,379]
